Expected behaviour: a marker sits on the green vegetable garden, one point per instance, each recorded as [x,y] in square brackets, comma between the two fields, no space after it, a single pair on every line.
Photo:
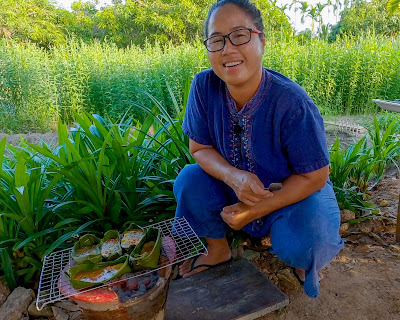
[118,107]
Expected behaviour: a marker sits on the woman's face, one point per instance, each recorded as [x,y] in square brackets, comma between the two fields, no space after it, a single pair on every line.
[237,66]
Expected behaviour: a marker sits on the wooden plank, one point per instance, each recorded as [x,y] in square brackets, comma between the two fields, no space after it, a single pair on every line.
[235,291]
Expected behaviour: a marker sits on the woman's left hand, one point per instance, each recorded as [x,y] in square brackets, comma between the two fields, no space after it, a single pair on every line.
[237,215]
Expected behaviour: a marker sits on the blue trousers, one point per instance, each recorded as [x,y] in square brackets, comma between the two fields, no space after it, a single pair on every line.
[304,235]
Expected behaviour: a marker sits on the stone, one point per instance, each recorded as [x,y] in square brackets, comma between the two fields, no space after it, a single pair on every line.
[240,251]
[251,255]
[363,248]
[67,305]
[59,314]
[383,203]
[35,313]
[346,215]
[4,292]
[76,315]
[16,304]
[344,227]
[287,279]
[390,228]
[395,247]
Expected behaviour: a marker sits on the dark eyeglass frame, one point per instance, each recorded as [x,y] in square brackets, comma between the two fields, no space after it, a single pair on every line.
[227,36]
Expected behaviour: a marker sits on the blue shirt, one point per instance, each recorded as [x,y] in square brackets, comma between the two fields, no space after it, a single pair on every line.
[279,132]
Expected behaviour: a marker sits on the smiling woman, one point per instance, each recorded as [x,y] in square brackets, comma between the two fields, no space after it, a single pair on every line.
[249,127]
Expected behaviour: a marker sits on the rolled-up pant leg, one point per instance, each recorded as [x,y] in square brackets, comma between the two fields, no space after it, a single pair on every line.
[305,235]
[200,199]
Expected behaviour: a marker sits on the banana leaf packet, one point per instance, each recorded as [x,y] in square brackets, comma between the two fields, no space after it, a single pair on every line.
[88,274]
[87,249]
[147,253]
[110,245]
[131,237]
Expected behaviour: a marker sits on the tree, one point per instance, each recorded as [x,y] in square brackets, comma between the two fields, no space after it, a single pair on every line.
[393,6]
[365,16]
[35,20]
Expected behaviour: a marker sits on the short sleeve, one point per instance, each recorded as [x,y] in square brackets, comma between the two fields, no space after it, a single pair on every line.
[195,123]
[304,140]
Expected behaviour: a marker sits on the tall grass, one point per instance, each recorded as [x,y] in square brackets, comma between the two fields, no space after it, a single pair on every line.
[37,87]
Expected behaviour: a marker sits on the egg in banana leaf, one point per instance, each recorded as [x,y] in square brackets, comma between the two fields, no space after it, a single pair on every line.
[131,237]
[147,253]
[110,245]
[87,248]
[87,275]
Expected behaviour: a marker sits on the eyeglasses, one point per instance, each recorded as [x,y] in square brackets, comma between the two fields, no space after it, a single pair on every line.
[237,38]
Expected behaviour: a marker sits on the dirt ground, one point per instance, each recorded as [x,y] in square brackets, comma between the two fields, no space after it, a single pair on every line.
[363,281]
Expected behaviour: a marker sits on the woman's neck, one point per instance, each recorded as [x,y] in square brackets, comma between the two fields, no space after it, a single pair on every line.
[244,93]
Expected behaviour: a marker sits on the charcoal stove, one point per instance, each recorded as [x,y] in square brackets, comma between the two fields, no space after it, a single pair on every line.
[139,296]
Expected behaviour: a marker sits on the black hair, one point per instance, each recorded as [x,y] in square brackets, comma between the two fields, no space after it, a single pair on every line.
[248,7]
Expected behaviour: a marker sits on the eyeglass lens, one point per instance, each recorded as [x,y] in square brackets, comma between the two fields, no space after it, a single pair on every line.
[237,38]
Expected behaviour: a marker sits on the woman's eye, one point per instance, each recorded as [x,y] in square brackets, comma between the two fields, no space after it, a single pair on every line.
[215,40]
[239,35]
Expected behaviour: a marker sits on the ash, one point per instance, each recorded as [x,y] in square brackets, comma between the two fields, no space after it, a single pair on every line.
[132,286]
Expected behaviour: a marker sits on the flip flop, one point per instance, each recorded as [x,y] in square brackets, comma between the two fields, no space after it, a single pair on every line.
[208,266]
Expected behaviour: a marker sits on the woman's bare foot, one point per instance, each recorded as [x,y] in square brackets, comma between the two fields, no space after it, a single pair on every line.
[218,252]
[301,273]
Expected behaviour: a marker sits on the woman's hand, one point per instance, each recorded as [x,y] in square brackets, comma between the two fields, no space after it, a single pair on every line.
[248,187]
[237,215]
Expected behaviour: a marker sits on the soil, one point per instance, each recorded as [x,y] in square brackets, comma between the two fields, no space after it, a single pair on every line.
[362,282]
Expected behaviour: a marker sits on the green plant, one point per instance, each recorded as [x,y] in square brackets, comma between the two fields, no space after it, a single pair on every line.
[29,228]
[344,163]
[385,146]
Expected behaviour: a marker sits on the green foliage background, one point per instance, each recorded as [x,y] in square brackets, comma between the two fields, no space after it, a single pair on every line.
[37,87]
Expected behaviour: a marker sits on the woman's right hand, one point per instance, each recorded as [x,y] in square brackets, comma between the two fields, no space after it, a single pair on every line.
[247,187]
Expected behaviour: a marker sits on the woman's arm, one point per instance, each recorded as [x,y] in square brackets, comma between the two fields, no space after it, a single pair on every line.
[247,186]
[294,189]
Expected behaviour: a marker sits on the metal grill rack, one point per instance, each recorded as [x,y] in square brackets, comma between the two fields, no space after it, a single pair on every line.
[54,286]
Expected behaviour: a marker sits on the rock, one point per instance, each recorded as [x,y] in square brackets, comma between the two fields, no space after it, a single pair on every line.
[383,203]
[77,315]
[363,248]
[4,292]
[343,227]
[240,251]
[368,226]
[59,314]
[390,228]
[287,279]
[35,313]
[395,247]
[234,253]
[16,304]
[67,305]
[346,215]
[251,255]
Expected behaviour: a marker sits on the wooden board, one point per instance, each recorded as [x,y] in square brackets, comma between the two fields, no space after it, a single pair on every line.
[232,291]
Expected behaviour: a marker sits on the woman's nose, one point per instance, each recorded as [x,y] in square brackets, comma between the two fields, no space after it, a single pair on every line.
[228,46]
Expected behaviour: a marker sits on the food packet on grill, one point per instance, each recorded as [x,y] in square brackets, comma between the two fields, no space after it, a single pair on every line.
[87,248]
[131,237]
[110,245]
[88,274]
[147,253]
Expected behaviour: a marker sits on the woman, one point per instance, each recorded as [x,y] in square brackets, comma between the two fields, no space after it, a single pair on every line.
[249,127]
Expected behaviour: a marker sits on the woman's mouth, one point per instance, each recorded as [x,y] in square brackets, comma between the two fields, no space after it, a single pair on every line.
[232,64]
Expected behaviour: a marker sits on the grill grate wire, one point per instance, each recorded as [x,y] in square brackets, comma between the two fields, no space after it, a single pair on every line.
[187,245]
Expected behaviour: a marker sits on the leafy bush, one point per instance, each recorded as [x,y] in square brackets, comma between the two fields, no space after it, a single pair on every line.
[354,168]
[99,176]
